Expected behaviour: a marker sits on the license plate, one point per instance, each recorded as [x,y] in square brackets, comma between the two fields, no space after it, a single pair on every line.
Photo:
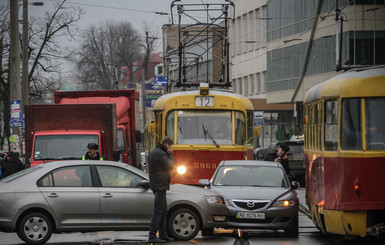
[204,101]
[250,215]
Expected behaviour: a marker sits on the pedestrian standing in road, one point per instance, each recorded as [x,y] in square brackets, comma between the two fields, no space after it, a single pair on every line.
[161,162]
[92,153]
[281,156]
[10,164]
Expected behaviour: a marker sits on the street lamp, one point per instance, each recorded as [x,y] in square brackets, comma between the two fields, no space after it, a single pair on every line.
[25,80]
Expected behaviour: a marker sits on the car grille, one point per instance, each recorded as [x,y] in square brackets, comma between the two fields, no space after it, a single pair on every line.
[250,205]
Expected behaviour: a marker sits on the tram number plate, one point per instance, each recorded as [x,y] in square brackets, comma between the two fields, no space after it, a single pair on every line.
[204,101]
[250,215]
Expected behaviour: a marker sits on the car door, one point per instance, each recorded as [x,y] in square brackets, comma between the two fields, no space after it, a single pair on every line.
[70,194]
[123,201]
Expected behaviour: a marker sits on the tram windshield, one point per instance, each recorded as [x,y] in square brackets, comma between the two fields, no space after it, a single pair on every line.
[207,127]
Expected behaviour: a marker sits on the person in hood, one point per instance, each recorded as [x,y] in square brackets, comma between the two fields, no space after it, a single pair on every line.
[92,153]
[10,164]
[161,162]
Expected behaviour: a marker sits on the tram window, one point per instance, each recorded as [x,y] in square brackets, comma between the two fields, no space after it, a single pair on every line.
[250,125]
[240,128]
[331,125]
[351,124]
[375,127]
[170,124]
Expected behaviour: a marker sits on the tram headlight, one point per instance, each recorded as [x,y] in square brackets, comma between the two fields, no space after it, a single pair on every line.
[181,170]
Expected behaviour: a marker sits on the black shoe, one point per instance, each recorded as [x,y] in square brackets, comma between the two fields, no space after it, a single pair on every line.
[168,239]
[156,240]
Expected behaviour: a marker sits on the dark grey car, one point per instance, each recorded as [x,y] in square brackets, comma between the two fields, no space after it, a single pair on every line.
[258,195]
[98,195]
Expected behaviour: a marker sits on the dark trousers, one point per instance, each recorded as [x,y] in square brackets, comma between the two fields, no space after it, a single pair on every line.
[159,215]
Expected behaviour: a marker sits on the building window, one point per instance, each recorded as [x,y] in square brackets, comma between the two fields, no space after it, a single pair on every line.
[246,85]
[263,79]
[252,85]
[245,31]
[239,86]
[258,86]
[252,31]
[239,39]
[264,26]
[234,38]
[367,47]
[257,30]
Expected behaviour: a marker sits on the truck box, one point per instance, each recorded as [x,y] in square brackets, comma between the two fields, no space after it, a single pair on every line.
[127,108]
[58,132]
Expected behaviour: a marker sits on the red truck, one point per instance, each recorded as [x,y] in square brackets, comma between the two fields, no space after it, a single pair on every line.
[127,105]
[62,132]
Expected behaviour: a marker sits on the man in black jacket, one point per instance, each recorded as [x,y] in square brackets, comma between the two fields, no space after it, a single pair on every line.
[281,156]
[161,162]
[10,164]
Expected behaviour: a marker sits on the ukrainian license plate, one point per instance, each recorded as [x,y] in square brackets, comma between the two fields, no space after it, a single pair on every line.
[250,215]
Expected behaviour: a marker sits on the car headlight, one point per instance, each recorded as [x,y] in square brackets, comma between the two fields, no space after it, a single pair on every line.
[284,203]
[214,199]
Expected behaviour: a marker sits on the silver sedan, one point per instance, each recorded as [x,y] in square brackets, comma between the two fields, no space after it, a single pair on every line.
[93,195]
[258,195]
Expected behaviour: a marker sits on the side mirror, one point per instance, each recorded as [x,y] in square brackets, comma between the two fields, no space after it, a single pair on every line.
[204,183]
[151,128]
[257,131]
[145,184]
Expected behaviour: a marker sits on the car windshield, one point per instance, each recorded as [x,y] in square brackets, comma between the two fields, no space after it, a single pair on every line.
[20,174]
[262,176]
[60,147]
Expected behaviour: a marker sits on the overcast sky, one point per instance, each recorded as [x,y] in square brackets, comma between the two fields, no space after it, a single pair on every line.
[133,11]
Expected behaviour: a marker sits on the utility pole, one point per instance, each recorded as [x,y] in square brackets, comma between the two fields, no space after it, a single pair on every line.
[25,80]
[15,85]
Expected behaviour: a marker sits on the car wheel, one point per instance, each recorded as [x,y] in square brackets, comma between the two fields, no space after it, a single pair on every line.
[292,230]
[183,224]
[208,232]
[35,228]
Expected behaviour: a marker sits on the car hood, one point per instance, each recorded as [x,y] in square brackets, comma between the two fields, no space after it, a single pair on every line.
[189,190]
[247,192]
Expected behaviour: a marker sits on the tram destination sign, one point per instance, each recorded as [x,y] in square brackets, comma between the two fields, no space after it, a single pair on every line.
[204,101]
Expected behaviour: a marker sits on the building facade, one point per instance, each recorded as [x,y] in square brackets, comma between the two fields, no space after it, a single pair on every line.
[282,48]
[248,68]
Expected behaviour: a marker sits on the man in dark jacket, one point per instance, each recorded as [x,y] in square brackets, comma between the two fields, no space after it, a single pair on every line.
[281,156]
[10,164]
[92,153]
[161,162]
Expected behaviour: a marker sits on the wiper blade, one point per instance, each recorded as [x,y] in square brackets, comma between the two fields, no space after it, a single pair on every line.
[207,135]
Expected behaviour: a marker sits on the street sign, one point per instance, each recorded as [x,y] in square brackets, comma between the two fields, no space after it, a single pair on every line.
[16,114]
[160,81]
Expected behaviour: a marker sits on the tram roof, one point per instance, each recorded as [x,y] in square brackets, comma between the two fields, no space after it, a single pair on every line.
[161,101]
[363,82]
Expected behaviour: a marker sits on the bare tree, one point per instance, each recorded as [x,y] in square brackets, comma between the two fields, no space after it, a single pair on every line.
[148,45]
[44,52]
[105,49]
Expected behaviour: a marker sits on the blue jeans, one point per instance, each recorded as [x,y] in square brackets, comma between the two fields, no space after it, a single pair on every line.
[159,215]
